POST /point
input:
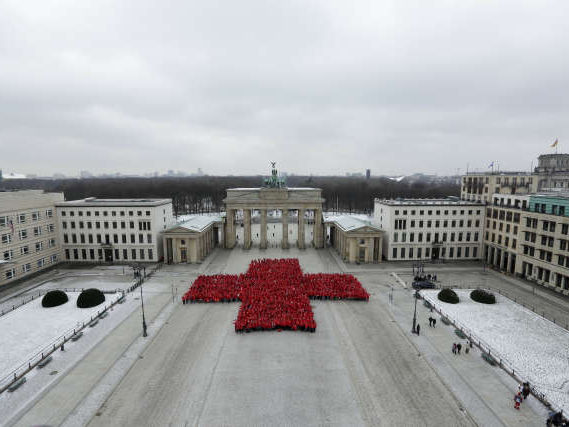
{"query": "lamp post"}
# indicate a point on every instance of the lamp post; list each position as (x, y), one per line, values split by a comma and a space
(414, 330)
(144, 334)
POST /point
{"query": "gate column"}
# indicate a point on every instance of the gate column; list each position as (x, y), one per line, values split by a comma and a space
(285, 228)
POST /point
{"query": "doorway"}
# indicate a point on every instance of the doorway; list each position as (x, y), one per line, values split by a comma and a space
(108, 255)
(183, 255)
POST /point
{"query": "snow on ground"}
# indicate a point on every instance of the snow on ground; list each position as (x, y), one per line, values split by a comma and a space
(535, 347)
(27, 330)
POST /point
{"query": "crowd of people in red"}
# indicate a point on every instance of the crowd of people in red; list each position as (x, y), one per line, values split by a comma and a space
(274, 294)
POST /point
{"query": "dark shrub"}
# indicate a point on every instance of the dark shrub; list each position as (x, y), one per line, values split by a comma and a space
(54, 298)
(482, 296)
(448, 295)
(90, 298)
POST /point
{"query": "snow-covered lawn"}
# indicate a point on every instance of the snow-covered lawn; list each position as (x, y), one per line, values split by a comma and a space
(536, 348)
(29, 329)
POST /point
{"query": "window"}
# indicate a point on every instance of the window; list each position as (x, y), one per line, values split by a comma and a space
(74, 238)
(26, 268)
(24, 250)
(50, 228)
(6, 238)
(113, 213)
(83, 253)
(115, 238)
(39, 246)
(147, 213)
(21, 218)
(51, 243)
(53, 258)
(72, 223)
(49, 213)
(37, 231)
(8, 255)
(35, 216)
(82, 238)
(124, 251)
(10, 274)
(139, 213)
(402, 252)
(81, 224)
(132, 239)
(150, 257)
(149, 238)
(141, 238)
(133, 252)
(394, 253)
(124, 239)
(41, 262)
(23, 234)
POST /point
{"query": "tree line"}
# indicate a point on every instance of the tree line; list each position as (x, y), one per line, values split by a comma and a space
(206, 193)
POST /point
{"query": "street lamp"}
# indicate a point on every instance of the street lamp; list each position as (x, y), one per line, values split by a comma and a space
(144, 334)
(414, 330)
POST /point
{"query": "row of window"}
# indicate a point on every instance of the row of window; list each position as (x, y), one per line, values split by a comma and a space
(6, 221)
(23, 234)
(409, 253)
(546, 225)
(100, 255)
(503, 215)
(26, 268)
(102, 213)
(142, 225)
(492, 238)
(437, 237)
(438, 212)
(25, 250)
(500, 226)
(401, 224)
(106, 238)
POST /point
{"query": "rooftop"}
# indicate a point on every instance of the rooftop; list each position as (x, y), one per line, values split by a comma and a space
(500, 173)
(196, 223)
(428, 202)
(94, 202)
(349, 223)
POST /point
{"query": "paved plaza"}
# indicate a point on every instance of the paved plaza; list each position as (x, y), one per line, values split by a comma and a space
(362, 366)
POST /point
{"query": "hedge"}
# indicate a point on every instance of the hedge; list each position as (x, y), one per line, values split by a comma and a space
(54, 299)
(482, 296)
(448, 295)
(90, 298)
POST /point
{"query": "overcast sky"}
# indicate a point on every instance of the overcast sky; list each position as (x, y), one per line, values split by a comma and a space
(321, 87)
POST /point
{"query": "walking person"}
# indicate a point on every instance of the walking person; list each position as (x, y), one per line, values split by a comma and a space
(434, 322)
(418, 328)
(430, 322)
(458, 347)
(517, 400)
(453, 348)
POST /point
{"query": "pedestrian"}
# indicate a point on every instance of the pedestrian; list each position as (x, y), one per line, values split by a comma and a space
(458, 347)
(418, 328)
(434, 322)
(525, 390)
(62, 346)
(430, 322)
(453, 348)
(517, 400)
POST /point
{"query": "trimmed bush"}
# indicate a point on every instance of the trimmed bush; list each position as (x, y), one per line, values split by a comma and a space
(482, 296)
(54, 298)
(90, 298)
(448, 295)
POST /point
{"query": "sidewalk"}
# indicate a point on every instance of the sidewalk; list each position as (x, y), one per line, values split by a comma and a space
(486, 392)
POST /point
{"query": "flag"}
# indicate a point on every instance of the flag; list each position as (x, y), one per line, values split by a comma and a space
(491, 165)
(12, 226)
(555, 143)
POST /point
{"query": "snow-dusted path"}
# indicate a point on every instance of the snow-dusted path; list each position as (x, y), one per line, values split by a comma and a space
(536, 348)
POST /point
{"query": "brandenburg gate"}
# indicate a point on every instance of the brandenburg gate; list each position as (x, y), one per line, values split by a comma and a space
(274, 196)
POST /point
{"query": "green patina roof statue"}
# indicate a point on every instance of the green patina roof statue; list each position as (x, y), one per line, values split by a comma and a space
(274, 181)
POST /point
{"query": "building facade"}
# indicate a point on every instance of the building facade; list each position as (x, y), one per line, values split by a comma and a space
(192, 239)
(29, 237)
(355, 240)
(113, 230)
(502, 229)
(480, 187)
(553, 172)
(543, 256)
(430, 229)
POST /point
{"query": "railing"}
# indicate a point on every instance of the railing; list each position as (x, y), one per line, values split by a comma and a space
(504, 363)
(19, 372)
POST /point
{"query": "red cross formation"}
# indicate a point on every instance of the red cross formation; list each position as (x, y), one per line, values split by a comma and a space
(275, 294)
